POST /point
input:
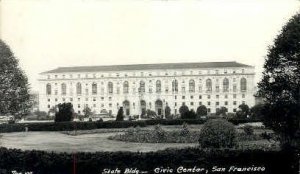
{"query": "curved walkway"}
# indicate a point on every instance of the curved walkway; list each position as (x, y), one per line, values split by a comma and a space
(59, 142)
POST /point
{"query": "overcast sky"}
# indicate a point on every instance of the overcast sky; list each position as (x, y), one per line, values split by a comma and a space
(53, 33)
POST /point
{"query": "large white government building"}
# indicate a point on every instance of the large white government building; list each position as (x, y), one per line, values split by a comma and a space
(139, 87)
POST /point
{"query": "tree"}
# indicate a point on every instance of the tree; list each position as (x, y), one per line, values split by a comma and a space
(167, 112)
(202, 110)
(222, 111)
(256, 111)
(243, 111)
(14, 87)
(65, 112)
(120, 115)
(183, 110)
(87, 111)
(280, 84)
(52, 110)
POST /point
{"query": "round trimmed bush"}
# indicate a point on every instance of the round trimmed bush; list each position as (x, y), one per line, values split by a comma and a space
(218, 133)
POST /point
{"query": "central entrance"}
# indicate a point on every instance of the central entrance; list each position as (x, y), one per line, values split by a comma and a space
(158, 107)
(126, 106)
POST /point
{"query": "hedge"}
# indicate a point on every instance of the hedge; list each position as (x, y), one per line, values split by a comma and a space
(40, 162)
(68, 126)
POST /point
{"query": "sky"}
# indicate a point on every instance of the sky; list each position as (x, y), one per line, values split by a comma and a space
(55, 33)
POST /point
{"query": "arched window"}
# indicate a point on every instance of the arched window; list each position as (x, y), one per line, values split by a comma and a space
(158, 86)
(175, 86)
(142, 86)
(63, 89)
(48, 89)
(192, 86)
(208, 85)
(225, 85)
(243, 84)
(78, 88)
(125, 87)
(94, 88)
(110, 87)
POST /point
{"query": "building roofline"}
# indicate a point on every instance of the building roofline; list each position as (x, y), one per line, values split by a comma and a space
(130, 67)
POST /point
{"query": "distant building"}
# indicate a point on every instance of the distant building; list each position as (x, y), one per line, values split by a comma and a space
(149, 86)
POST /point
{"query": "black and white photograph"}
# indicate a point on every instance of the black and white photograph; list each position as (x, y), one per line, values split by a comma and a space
(149, 86)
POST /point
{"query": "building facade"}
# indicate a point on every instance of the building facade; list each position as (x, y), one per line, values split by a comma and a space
(137, 88)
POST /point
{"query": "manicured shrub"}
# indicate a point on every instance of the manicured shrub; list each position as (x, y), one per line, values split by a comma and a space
(248, 130)
(120, 115)
(217, 133)
(65, 112)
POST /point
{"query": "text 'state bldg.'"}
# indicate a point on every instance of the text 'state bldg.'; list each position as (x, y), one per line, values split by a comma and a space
(139, 87)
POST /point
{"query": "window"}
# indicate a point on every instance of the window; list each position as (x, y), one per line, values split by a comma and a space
(110, 87)
(208, 103)
(175, 104)
(225, 85)
(49, 106)
(94, 88)
(56, 92)
(226, 96)
(217, 96)
(217, 103)
(217, 88)
(175, 96)
(183, 89)
(63, 89)
(94, 99)
(86, 99)
(183, 97)
(48, 99)
(243, 84)
(94, 105)
(226, 103)
(110, 105)
(48, 89)
(78, 105)
(234, 95)
(63, 99)
(208, 96)
(86, 91)
(78, 99)
(234, 110)
(208, 110)
(71, 99)
(208, 85)
(192, 103)
(158, 86)
(56, 99)
(234, 102)
(243, 95)
(125, 87)
(234, 88)
(200, 103)
(191, 86)
(192, 97)
(109, 98)
(78, 88)
(142, 87)
(200, 96)
(175, 86)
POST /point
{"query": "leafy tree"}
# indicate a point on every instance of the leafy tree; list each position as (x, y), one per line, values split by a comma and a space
(222, 111)
(87, 111)
(183, 110)
(120, 115)
(65, 112)
(280, 84)
(243, 111)
(14, 87)
(167, 112)
(256, 111)
(202, 110)
(40, 113)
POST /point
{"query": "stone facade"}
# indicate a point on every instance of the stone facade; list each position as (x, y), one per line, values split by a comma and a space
(149, 86)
